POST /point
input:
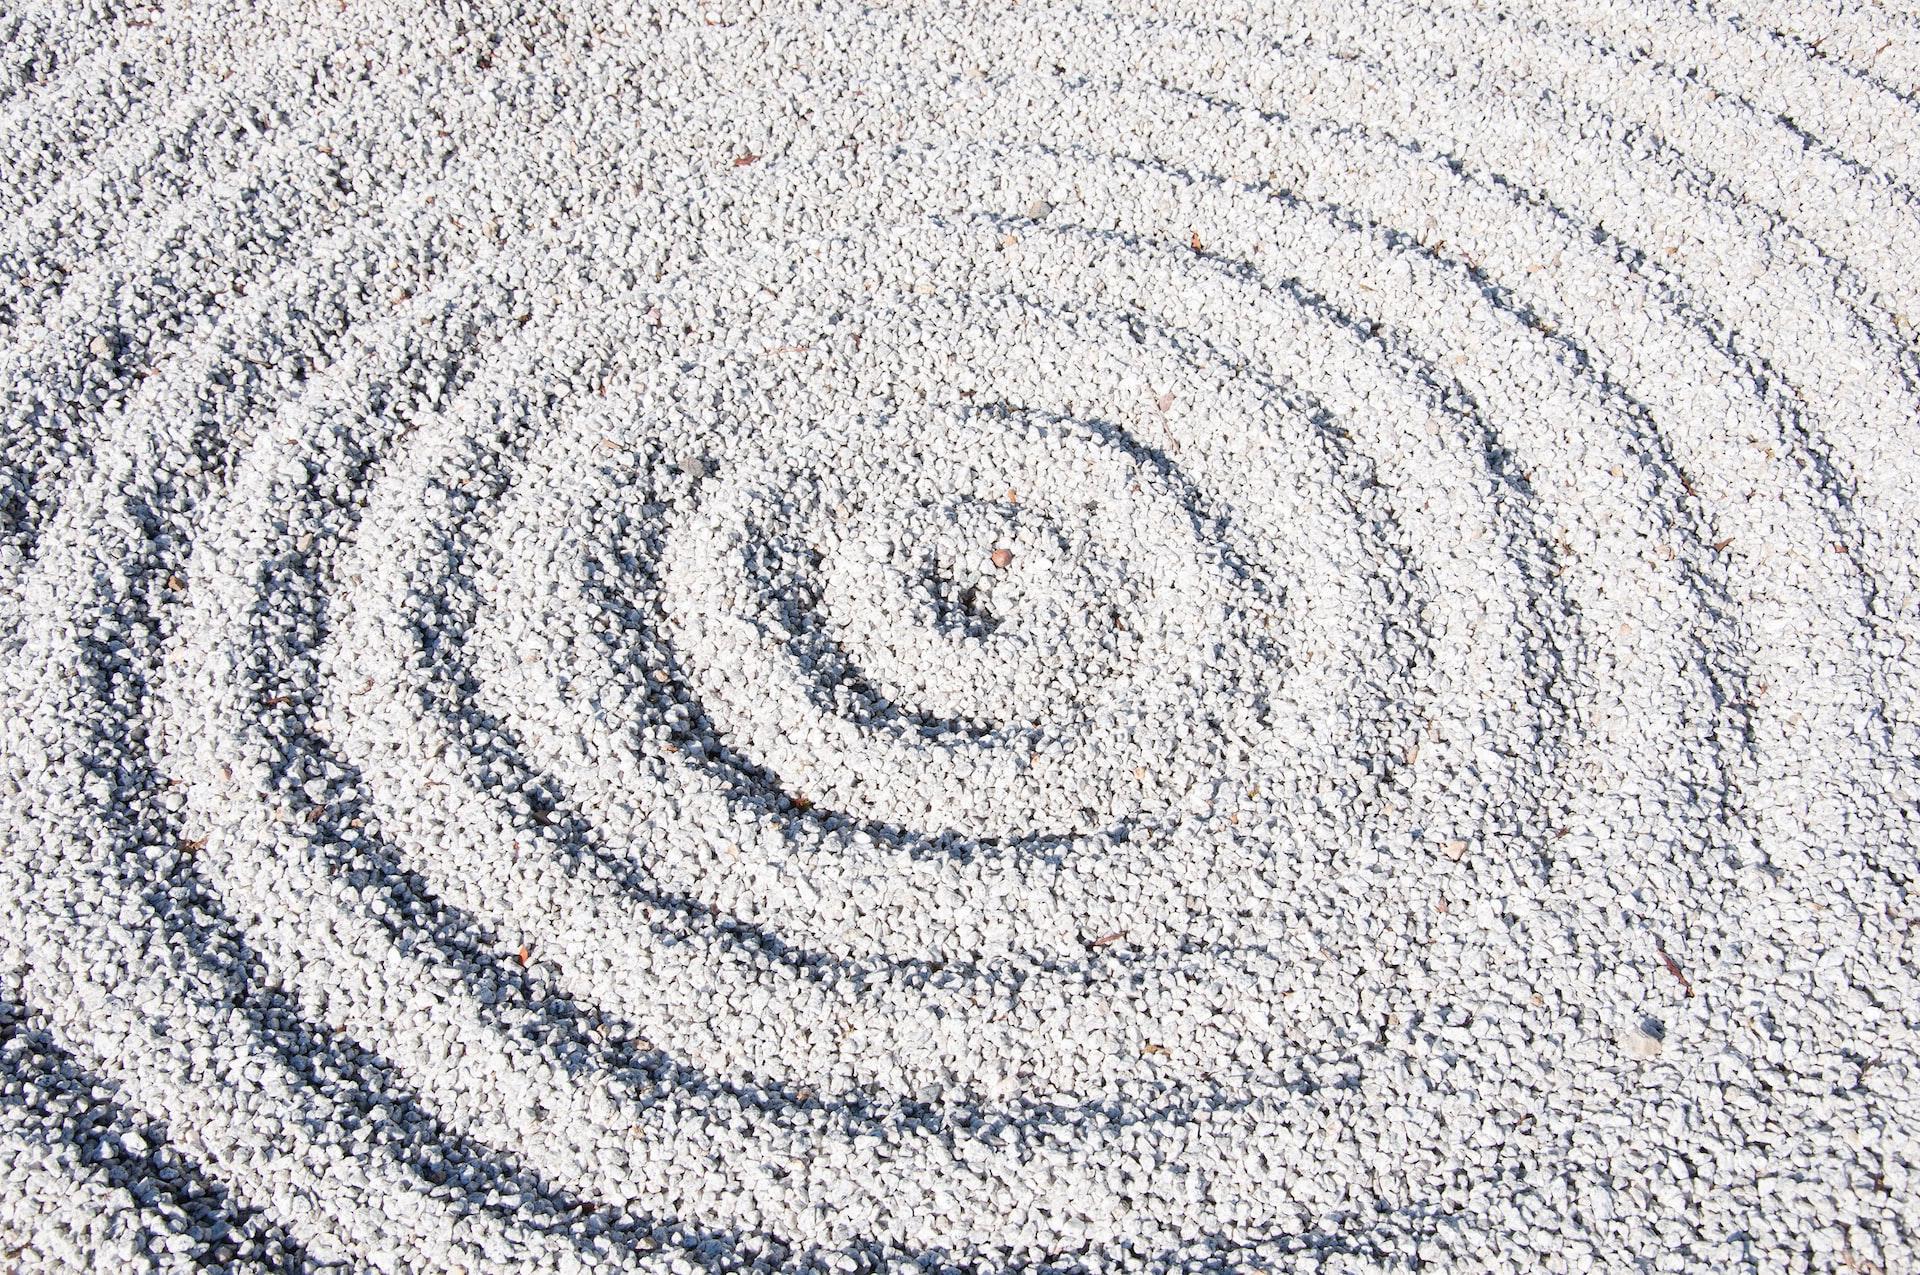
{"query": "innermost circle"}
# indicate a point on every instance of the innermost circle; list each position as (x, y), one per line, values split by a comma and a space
(998, 625)
(952, 562)
(958, 602)
(972, 606)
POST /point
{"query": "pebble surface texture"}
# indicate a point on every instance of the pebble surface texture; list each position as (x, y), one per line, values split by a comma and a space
(977, 637)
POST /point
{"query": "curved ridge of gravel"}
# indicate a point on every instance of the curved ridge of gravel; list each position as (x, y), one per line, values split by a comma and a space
(1036, 637)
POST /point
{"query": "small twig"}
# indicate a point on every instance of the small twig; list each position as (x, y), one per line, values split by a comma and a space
(1673, 967)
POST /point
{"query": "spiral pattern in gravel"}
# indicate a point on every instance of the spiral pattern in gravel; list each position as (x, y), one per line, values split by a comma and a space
(942, 638)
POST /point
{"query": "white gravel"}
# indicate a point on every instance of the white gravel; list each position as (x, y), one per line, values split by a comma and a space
(972, 638)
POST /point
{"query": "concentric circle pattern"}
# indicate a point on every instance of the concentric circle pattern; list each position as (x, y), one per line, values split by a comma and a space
(976, 637)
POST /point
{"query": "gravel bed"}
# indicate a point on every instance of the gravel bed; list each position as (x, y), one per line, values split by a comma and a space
(960, 637)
